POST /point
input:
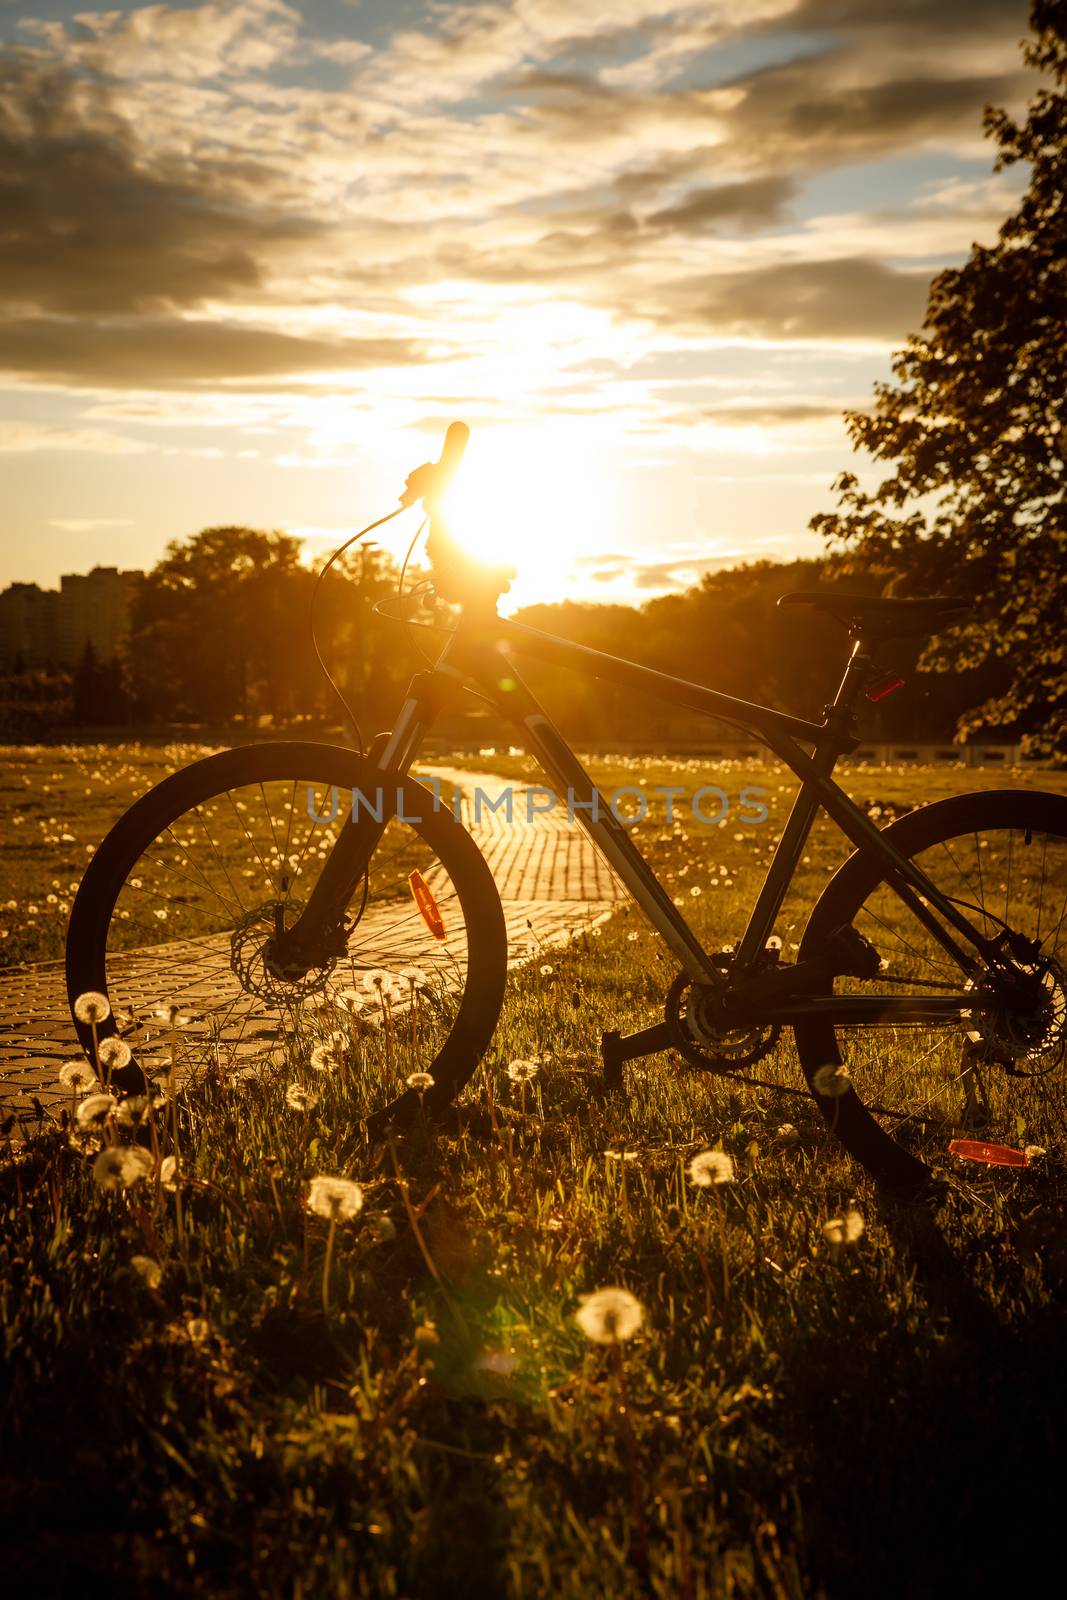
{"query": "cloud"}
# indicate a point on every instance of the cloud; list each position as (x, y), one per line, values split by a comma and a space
(89, 524)
(92, 222)
(21, 438)
(157, 353)
(159, 41)
(851, 299)
(759, 202)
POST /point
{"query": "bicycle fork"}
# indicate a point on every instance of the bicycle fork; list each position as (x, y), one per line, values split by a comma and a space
(319, 932)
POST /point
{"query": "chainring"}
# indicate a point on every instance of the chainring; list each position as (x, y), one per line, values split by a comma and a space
(704, 1046)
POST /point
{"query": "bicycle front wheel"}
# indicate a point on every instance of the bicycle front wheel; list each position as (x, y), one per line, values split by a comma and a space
(176, 909)
(997, 1077)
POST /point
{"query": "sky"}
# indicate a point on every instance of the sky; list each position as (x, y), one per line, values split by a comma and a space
(254, 258)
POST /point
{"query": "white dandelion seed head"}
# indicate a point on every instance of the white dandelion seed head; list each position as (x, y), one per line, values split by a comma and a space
(414, 977)
(135, 1109)
(336, 1199)
(831, 1082)
(608, 1316)
(711, 1167)
(115, 1052)
(845, 1229)
(523, 1071)
(297, 1098)
(547, 971)
(351, 1000)
(168, 1172)
(379, 982)
(95, 1109)
(170, 1014)
(788, 1134)
(149, 1271)
(92, 1007)
(384, 1229)
(119, 1166)
(79, 1076)
(420, 1081)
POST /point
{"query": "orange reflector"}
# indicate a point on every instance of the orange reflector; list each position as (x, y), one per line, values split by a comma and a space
(994, 1155)
(426, 903)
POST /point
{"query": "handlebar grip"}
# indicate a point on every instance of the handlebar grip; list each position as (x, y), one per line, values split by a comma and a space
(428, 482)
(452, 450)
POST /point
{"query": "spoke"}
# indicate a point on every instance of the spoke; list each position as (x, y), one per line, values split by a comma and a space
(225, 870)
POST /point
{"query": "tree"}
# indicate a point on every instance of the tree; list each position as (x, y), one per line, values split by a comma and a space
(974, 427)
(220, 629)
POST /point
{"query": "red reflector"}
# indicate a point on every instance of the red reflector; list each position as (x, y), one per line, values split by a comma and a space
(994, 1155)
(881, 687)
(428, 907)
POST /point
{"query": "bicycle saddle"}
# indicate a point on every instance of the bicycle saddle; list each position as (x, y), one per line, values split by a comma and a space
(877, 615)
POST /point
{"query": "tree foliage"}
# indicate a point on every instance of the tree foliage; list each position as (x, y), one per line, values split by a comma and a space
(220, 629)
(973, 425)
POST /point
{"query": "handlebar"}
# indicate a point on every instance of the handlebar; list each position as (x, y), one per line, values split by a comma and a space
(429, 482)
(458, 576)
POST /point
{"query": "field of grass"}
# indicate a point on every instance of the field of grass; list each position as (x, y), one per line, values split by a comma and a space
(209, 1389)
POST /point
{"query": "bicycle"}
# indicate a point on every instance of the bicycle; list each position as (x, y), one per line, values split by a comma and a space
(928, 994)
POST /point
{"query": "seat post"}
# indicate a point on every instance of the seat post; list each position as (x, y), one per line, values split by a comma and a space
(857, 671)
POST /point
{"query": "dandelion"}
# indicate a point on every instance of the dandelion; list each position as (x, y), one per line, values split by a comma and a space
(338, 1199)
(831, 1082)
(170, 1014)
(351, 1000)
(632, 938)
(414, 977)
(119, 1166)
(135, 1109)
(378, 981)
(78, 1076)
(168, 1172)
(114, 1053)
(547, 971)
(711, 1167)
(421, 1081)
(95, 1109)
(844, 1230)
(384, 1229)
(1034, 1152)
(788, 1134)
(609, 1315)
(328, 1056)
(149, 1271)
(92, 1008)
(523, 1071)
(298, 1098)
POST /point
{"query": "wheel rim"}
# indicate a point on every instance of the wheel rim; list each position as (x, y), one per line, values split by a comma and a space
(191, 904)
(996, 1082)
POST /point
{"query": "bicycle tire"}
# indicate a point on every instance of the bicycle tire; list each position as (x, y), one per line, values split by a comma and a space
(109, 872)
(848, 898)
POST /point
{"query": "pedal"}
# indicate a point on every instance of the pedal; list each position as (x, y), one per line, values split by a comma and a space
(616, 1050)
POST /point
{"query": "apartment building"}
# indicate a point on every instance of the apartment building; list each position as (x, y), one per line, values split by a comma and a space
(39, 625)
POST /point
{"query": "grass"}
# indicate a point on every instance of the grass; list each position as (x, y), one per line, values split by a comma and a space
(800, 1417)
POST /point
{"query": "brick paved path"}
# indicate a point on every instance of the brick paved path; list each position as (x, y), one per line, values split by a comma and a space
(551, 882)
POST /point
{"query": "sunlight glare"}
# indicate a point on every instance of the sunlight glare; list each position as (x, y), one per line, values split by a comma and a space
(527, 499)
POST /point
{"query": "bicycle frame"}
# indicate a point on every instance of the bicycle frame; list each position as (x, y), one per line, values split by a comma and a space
(479, 652)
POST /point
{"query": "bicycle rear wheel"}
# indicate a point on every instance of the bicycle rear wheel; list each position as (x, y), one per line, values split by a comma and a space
(179, 901)
(996, 1077)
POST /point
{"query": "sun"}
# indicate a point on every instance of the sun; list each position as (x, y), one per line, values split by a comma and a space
(531, 500)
